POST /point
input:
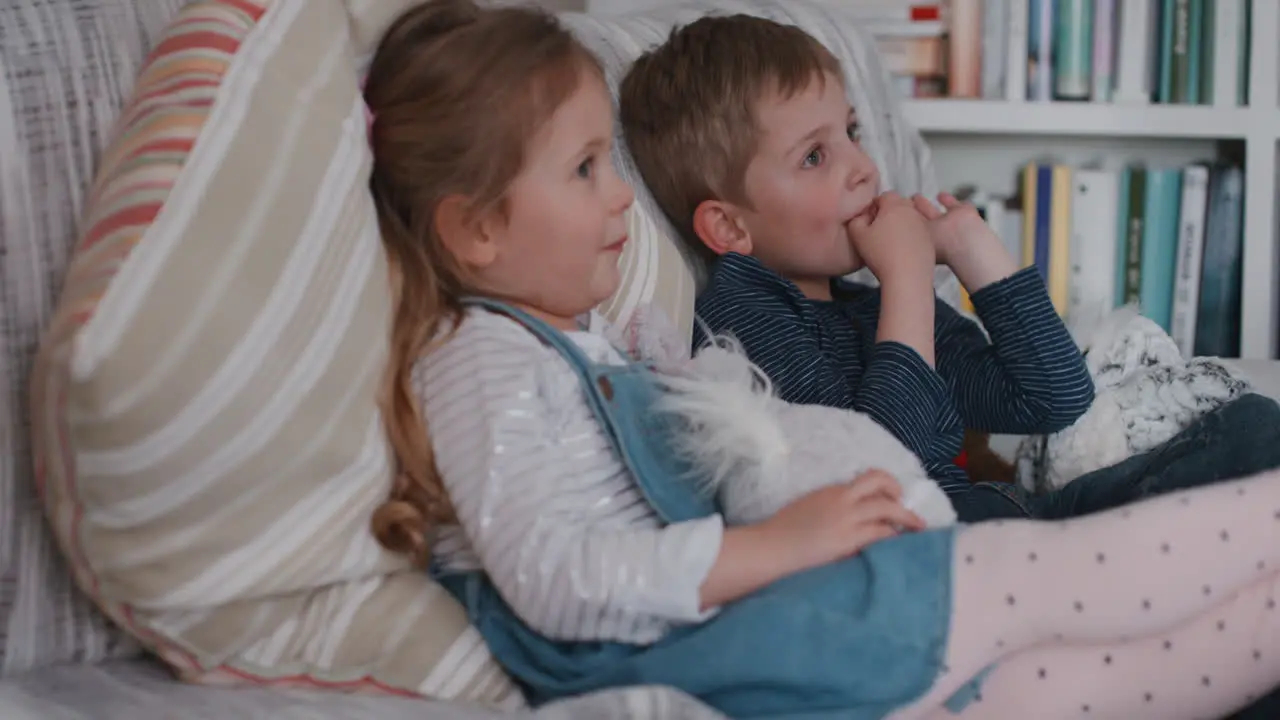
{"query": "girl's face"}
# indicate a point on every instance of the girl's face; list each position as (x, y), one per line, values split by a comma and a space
(556, 251)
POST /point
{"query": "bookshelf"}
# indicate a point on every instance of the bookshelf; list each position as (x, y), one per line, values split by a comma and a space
(987, 141)
(1070, 119)
(991, 138)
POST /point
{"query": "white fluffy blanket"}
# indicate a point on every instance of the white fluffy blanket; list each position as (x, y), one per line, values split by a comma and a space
(761, 452)
(1146, 393)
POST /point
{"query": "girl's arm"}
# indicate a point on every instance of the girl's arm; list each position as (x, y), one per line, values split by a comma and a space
(558, 524)
(543, 500)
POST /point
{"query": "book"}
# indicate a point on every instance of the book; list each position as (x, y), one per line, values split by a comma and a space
(1186, 284)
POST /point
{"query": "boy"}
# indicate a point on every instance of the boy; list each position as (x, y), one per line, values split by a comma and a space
(742, 131)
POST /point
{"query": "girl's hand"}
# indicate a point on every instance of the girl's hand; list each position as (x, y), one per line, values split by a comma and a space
(838, 521)
(894, 239)
(965, 242)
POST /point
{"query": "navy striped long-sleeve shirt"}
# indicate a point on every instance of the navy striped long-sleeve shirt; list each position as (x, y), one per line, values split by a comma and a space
(1028, 378)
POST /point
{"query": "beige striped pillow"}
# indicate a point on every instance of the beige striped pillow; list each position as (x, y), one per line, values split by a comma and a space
(208, 445)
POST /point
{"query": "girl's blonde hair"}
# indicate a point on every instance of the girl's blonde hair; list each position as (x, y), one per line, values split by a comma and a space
(456, 92)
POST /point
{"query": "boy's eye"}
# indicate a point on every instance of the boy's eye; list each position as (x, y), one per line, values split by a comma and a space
(855, 132)
(814, 158)
(585, 167)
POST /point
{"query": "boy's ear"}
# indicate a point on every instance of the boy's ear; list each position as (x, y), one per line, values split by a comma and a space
(464, 235)
(719, 226)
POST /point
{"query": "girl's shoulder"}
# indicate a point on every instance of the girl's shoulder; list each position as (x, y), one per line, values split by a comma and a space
(482, 337)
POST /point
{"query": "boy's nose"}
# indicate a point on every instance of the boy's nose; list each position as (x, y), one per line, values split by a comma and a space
(862, 169)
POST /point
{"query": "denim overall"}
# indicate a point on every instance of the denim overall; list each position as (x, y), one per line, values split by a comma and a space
(855, 639)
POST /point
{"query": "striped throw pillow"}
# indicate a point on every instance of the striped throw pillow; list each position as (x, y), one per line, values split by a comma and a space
(207, 442)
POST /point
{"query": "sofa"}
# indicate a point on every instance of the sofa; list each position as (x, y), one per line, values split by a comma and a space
(68, 67)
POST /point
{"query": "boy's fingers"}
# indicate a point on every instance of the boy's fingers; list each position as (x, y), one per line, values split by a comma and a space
(949, 201)
(926, 208)
(890, 198)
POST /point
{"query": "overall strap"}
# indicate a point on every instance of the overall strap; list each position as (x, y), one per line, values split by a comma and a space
(622, 400)
(578, 361)
(540, 329)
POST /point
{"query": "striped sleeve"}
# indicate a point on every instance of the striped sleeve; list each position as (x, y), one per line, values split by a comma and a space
(897, 389)
(907, 397)
(545, 503)
(1030, 377)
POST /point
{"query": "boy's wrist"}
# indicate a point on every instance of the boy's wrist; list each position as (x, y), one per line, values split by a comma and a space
(907, 280)
(980, 262)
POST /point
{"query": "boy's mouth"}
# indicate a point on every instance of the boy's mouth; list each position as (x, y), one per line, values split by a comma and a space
(867, 212)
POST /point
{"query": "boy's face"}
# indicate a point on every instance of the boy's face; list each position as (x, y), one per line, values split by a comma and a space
(809, 177)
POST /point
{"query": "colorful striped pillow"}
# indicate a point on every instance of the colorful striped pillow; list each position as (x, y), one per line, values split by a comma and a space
(207, 441)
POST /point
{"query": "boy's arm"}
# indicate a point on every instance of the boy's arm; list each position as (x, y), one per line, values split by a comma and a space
(1030, 377)
(898, 389)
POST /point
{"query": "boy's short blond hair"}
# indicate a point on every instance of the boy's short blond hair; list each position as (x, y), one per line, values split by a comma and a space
(688, 107)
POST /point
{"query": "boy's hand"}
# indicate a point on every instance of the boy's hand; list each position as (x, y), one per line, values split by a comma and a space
(894, 240)
(965, 242)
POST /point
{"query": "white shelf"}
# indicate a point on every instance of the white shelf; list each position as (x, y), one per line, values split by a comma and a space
(1067, 119)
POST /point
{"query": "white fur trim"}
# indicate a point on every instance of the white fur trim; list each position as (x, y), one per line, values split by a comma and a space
(760, 452)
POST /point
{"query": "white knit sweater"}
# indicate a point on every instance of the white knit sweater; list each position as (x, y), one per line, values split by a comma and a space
(545, 506)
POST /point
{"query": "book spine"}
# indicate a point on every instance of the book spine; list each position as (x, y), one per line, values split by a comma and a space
(1134, 234)
(1164, 52)
(1195, 52)
(1160, 245)
(1072, 50)
(964, 71)
(896, 10)
(1121, 251)
(1218, 316)
(995, 52)
(925, 56)
(1029, 177)
(1015, 68)
(1044, 218)
(1133, 50)
(1060, 238)
(1186, 284)
(1179, 53)
(1095, 206)
(903, 28)
(1104, 50)
(1040, 51)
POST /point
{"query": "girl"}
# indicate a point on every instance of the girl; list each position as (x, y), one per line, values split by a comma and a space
(539, 485)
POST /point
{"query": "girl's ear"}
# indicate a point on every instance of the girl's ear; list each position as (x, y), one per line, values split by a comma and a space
(462, 234)
(719, 225)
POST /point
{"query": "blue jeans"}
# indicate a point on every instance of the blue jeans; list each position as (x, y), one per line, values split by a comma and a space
(1237, 439)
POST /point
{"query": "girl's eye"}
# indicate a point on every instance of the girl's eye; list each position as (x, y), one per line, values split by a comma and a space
(814, 158)
(585, 167)
(855, 132)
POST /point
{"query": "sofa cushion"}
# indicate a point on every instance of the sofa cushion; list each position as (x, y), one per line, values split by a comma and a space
(65, 71)
(204, 408)
(208, 441)
(142, 689)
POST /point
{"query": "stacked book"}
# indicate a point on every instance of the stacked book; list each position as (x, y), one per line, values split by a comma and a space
(1169, 240)
(1129, 51)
